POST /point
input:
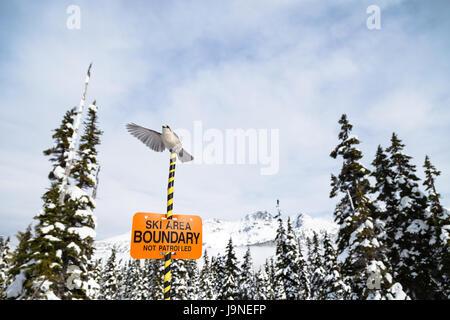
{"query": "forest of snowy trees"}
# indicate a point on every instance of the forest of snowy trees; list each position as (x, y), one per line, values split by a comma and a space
(392, 243)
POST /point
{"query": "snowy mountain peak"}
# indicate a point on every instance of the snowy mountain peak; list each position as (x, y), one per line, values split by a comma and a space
(258, 215)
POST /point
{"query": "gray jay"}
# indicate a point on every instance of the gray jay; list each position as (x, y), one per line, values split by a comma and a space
(160, 141)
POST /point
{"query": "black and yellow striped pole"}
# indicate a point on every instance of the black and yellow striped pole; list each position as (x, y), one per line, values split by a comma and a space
(168, 255)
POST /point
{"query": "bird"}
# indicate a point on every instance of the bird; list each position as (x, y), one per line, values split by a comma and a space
(160, 141)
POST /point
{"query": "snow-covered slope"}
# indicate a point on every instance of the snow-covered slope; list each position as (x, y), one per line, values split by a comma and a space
(256, 230)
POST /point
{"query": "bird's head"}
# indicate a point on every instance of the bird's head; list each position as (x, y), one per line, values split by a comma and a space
(165, 128)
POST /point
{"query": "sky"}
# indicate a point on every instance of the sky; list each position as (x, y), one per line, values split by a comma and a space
(293, 66)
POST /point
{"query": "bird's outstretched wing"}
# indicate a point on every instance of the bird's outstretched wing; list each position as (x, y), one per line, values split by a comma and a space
(150, 137)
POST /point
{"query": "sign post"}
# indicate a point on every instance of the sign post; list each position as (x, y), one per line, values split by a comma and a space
(168, 255)
(155, 235)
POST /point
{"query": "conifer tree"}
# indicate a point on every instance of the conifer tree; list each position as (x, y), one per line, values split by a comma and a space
(408, 228)
(43, 268)
(193, 280)
(206, 280)
(109, 282)
(4, 264)
(16, 272)
(280, 262)
(367, 273)
(269, 271)
(318, 275)
(334, 287)
(360, 252)
(132, 285)
(180, 276)
(146, 276)
(231, 274)
(86, 167)
(262, 286)
(62, 244)
(384, 188)
(246, 278)
(218, 274)
(94, 276)
(157, 280)
(352, 173)
(79, 205)
(439, 220)
(310, 255)
(140, 287)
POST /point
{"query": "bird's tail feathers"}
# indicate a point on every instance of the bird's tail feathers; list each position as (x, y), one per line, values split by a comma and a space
(184, 156)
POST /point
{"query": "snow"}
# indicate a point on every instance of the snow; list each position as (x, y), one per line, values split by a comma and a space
(51, 238)
(445, 234)
(77, 194)
(59, 172)
(47, 229)
(93, 107)
(397, 293)
(405, 202)
(59, 225)
(417, 226)
(83, 232)
(16, 287)
(84, 213)
(72, 245)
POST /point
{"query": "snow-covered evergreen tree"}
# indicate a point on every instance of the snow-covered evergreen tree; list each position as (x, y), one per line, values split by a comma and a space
(146, 276)
(408, 228)
(291, 275)
(384, 189)
(439, 220)
(157, 280)
(218, 274)
(140, 288)
(16, 272)
(318, 275)
(4, 265)
(86, 167)
(262, 286)
(79, 206)
(280, 262)
(109, 282)
(62, 244)
(359, 249)
(231, 274)
(269, 270)
(206, 280)
(131, 289)
(246, 278)
(179, 286)
(352, 173)
(94, 275)
(334, 287)
(193, 280)
(367, 273)
(44, 270)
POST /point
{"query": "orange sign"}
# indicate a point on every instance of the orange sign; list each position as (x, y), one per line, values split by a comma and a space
(153, 235)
